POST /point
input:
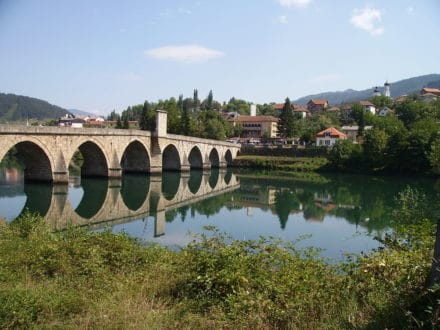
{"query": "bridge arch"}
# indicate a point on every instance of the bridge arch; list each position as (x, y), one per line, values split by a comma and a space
(135, 158)
(195, 158)
(171, 158)
(214, 158)
(135, 190)
(36, 158)
(95, 159)
(214, 178)
(228, 157)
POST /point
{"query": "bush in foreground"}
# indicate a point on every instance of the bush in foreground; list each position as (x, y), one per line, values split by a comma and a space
(77, 278)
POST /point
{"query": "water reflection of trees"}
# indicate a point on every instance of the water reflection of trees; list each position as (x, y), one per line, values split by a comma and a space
(361, 200)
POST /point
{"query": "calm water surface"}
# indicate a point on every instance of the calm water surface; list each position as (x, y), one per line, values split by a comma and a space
(337, 213)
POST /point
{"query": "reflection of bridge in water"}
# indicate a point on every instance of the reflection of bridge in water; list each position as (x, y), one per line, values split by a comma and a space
(111, 202)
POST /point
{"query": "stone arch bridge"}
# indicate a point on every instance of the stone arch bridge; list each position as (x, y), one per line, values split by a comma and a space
(48, 151)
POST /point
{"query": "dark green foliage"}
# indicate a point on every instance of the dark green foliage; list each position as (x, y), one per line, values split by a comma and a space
(148, 118)
(287, 121)
(20, 108)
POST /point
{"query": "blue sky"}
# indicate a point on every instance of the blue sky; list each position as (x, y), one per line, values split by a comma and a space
(100, 55)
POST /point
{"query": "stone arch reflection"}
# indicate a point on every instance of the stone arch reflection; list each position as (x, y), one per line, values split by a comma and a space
(95, 193)
(195, 181)
(170, 184)
(213, 177)
(134, 190)
(135, 158)
(228, 176)
(171, 158)
(38, 198)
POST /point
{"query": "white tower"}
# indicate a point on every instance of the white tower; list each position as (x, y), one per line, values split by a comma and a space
(387, 91)
(253, 110)
(376, 91)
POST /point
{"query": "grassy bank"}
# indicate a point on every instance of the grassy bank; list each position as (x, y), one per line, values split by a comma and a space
(78, 279)
(303, 164)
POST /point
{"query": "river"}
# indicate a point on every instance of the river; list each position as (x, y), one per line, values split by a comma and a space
(338, 214)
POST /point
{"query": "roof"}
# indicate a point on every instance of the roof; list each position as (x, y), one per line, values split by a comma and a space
(334, 133)
(320, 102)
(278, 106)
(430, 90)
(300, 108)
(333, 109)
(366, 103)
(354, 128)
(429, 95)
(255, 119)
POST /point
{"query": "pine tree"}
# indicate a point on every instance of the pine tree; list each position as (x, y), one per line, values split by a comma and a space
(196, 100)
(185, 119)
(143, 122)
(287, 120)
(209, 100)
(125, 123)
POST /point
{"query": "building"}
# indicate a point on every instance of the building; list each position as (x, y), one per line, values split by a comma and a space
(429, 97)
(329, 137)
(71, 121)
(301, 110)
(352, 131)
(426, 90)
(257, 126)
(384, 111)
(387, 90)
(368, 107)
(317, 105)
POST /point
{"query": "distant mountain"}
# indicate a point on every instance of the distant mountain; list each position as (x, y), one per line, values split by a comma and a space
(398, 88)
(77, 112)
(19, 108)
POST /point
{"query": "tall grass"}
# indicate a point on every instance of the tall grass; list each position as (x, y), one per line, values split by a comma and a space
(81, 279)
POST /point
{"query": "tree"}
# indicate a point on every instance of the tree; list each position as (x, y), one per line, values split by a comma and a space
(125, 123)
(196, 101)
(287, 122)
(341, 153)
(434, 156)
(375, 147)
(148, 119)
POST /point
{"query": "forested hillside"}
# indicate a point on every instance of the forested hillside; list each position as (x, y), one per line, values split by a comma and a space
(17, 108)
(398, 88)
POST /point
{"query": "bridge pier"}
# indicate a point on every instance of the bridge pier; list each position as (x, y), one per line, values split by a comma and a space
(206, 166)
(60, 177)
(115, 172)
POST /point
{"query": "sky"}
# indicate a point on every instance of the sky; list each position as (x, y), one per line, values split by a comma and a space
(101, 55)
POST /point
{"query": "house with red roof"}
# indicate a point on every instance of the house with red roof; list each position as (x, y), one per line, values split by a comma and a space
(368, 106)
(317, 105)
(426, 90)
(329, 137)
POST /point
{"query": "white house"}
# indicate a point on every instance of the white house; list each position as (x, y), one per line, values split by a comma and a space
(368, 106)
(329, 137)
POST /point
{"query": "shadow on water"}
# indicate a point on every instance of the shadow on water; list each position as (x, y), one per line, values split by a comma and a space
(95, 193)
(38, 198)
(170, 184)
(213, 177)
(134, 190)
(195, 180)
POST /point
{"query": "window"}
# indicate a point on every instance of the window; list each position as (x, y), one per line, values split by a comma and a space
(327, 142)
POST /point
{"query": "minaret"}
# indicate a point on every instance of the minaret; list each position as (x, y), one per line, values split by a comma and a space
(386, 86)
(376, 91)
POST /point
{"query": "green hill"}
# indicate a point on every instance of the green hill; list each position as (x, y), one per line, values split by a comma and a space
(19, 108)
(398, 88)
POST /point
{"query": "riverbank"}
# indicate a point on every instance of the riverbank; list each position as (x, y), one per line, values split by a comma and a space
(81, 279)
(284, 163)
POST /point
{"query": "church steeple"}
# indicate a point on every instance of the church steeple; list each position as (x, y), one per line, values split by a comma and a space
(387, 91)
(376, 91)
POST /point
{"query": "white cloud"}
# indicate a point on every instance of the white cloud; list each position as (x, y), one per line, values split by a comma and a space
(367, 19)
(282, 19)
(294, 3)
(185, 53)
(325, 78)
